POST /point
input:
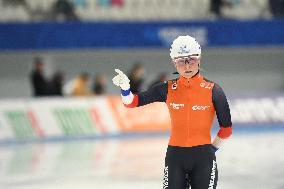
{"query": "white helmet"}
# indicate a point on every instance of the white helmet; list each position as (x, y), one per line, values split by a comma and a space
(184, 46)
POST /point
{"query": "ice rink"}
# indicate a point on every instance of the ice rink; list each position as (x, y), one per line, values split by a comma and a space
(251, 160)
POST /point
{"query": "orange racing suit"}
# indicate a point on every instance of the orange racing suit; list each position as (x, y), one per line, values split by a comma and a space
(192, 104)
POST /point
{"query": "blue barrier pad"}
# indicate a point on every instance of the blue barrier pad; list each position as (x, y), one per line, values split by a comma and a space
(73, 35)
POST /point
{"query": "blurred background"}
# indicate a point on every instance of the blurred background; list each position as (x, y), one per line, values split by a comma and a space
(62, 122)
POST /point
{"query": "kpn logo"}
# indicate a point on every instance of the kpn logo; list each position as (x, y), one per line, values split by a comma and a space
(197, 107)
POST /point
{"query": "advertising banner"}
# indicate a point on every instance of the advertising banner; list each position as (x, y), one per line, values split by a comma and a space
(258, 110)
(152, 117)
(103, 116)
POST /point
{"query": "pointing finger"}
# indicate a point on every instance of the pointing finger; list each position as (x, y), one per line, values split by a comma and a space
(118, 71)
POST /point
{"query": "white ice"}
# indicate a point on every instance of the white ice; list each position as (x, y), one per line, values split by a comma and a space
(247, 161)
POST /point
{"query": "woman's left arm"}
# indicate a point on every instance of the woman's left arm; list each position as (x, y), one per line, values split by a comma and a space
(223, 115)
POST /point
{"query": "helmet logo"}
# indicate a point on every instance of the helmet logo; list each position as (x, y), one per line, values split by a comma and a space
(183, 49)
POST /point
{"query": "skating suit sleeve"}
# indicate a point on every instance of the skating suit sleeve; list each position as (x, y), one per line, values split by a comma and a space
(223, 114)
(157, 93)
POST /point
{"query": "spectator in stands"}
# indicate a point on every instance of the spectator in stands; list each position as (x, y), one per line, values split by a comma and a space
(14, 3)
(117, 3)
(104, 3)
(136, 77)
(99, 87)
(81, 85)
(80, 3)
(277, 8)
(161, 78)
(56, 84)
(216, 7)
(64, 10)
(38, 81)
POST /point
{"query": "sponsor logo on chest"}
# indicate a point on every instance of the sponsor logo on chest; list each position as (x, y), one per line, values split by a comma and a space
(199, 108)
(194, 107)
(176, 106)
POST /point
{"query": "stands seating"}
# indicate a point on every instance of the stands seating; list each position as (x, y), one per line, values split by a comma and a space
(135, 10)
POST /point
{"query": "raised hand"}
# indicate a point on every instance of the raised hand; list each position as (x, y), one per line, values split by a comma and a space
(121, 80)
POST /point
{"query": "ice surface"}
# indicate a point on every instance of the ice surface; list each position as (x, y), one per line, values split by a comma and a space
(247, 161)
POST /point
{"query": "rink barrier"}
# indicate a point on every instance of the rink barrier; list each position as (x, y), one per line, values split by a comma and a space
(59, 118)
(78, 35)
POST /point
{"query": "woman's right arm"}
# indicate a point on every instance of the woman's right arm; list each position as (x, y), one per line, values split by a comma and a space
(157, 93)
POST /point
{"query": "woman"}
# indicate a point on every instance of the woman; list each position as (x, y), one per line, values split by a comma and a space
(192, 101)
